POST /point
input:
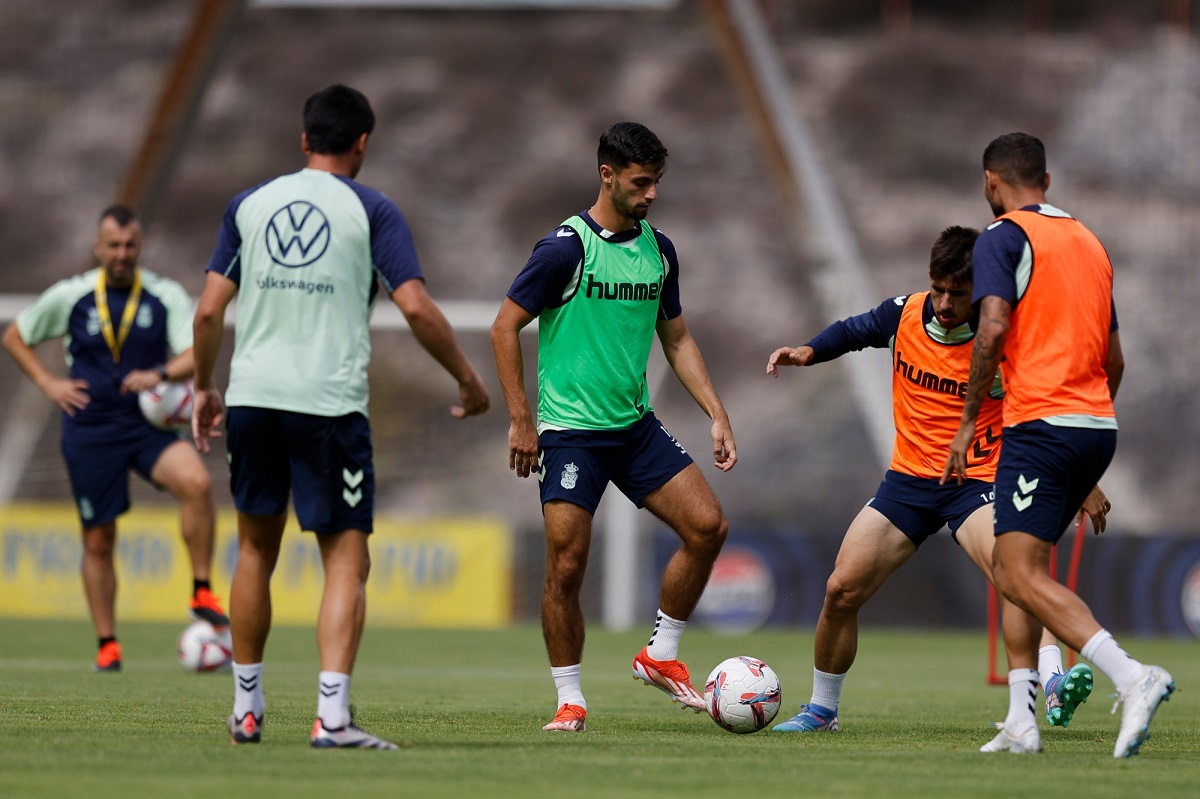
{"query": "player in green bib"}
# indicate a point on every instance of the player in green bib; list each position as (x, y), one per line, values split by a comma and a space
(601, 286)
(588, 378)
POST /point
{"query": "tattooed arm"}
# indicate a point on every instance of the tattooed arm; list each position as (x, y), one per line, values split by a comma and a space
(985, 360)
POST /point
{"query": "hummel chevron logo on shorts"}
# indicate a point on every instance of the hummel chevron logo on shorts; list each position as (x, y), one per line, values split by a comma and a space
(353, 480)
(1022, 498)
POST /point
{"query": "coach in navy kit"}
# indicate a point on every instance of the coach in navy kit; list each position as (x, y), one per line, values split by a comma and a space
(124, 329)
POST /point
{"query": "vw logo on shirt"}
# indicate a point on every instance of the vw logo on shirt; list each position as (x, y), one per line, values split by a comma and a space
(297, 235)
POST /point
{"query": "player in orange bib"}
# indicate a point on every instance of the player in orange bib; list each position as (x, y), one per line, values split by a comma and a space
(929, 335)
(1043, 284)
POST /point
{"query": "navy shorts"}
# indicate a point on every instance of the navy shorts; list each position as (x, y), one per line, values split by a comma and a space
(1045, 473)
(577, 465)
(324, 461)
(99, 470)
(920, 507)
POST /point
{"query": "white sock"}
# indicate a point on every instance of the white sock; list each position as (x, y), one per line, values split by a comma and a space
(566, 680)
(1111, 659)
(248, 690)
(1022, 701)
(1050, 662)
(333, 699)
(827, 689)
(664, 641)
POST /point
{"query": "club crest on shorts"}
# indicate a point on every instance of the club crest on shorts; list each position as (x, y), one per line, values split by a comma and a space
(570, 475)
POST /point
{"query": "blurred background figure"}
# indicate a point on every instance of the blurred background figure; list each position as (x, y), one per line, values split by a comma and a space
(125, 329)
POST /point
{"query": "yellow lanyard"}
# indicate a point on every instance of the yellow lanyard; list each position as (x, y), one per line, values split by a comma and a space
(115, 343)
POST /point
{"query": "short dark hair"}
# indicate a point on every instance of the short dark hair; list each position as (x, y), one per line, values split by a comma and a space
(123, 215)
(1018, 158)
(628, 143)
(950, 256)
(335, 117)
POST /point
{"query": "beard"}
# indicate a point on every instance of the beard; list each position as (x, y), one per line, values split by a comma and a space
(622, 204)
(119, 276)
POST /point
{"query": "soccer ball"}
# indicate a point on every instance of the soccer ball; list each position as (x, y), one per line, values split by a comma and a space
(742, 695)
(203, 647)
(168, 406)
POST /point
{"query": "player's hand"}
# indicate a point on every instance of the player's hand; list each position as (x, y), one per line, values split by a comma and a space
(139, 380)
(724, 448)
(522, 447)
(208, 412)
(69, 394)
(956, 462)
(1097, 507)
(473, 396)
(788, 356)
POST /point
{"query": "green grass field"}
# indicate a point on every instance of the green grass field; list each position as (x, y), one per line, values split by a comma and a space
(468, 707)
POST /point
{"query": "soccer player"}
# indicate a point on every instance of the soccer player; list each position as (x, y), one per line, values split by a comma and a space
(602, 284)
(304, 254)
(1047, 319)
(125, 329)
(929, 334)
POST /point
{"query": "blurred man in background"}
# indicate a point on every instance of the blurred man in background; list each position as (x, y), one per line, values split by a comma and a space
(125, 329)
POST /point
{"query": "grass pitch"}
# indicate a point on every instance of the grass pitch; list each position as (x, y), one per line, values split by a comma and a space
(468, 708)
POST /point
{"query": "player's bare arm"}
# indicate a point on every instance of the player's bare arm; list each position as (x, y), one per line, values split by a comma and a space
(510, 367)
(140, 380)
(985, 360)
(207, 328)
(684, 357)
(180, 367)
(434, 333)
(1097, 506)
(67, 393)
(1114, 364)
(788, 356)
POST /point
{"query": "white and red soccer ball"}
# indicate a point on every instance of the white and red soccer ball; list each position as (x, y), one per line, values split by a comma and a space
(168, 406)
(203, 647)
(742, 695)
